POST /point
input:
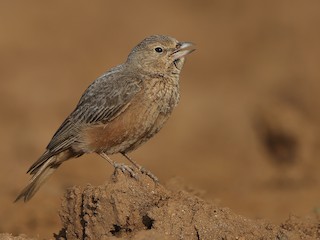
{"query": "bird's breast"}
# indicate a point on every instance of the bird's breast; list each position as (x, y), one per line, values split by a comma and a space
(164, 93)
(143, 117)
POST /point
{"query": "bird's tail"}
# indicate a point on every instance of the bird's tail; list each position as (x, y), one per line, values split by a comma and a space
(41, 172)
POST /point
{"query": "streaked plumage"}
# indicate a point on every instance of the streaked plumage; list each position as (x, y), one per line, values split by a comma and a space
(120, 110)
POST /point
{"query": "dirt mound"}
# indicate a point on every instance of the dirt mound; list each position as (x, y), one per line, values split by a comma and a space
(7, 236)
(125, 208)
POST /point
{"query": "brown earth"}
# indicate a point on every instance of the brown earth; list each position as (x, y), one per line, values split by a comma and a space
(246, 132)
(128, 208)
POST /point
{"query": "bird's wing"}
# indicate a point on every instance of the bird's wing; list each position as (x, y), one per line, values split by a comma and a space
(103, 100)
(100, 103)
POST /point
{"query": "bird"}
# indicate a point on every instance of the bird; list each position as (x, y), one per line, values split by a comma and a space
(119, 111)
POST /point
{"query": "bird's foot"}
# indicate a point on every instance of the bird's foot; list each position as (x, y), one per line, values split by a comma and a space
(149, 174)
(125, 169)
(141, 169)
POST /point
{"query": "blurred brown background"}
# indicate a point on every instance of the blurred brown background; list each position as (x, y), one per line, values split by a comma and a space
(247, 127)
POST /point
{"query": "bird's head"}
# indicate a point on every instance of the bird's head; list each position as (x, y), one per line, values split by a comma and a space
(160, 54)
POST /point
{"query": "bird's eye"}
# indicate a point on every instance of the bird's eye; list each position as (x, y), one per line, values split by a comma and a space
(158, 49)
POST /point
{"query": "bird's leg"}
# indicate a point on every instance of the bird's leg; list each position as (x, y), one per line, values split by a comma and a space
(140, 168)
(124, 168)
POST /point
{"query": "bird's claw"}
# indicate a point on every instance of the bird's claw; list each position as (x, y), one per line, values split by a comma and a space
(149, 174)
(125, 168)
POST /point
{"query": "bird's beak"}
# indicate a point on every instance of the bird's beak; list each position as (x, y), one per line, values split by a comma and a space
(183, 49)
